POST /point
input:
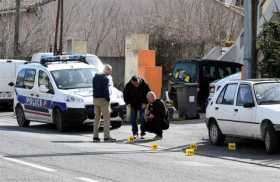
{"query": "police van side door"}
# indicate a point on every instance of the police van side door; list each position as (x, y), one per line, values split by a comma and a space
(28, 94)
(45, 92)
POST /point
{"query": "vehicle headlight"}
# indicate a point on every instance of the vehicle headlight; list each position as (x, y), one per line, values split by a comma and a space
(73, 99)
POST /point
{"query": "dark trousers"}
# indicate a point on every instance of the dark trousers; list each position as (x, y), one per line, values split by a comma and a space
(133, 119)
(152, 126)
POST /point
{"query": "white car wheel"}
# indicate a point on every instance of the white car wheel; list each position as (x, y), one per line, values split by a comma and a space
(215, 135)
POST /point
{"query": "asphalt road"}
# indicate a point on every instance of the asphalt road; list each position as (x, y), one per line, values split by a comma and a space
(40, 153)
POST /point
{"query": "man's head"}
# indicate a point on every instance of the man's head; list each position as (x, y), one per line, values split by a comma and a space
(135, 80)
(107, 69)
(151, 97)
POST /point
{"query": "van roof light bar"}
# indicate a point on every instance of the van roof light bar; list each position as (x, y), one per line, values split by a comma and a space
(62, 58)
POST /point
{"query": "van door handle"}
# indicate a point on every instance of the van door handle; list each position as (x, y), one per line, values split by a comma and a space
(216, 108)
(37, 95)
(32, 95)
(235, 110)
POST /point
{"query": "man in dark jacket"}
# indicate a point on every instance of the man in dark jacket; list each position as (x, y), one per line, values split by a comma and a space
(135, 93)
(156, 116)
(102, 103)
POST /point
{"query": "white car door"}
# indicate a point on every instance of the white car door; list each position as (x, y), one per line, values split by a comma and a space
(244, 112)
(45, 93)
(224, 108)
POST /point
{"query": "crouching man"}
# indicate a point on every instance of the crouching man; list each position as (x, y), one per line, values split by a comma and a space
(156, 116)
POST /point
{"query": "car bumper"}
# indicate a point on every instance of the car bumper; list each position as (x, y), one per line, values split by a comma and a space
(74, 115)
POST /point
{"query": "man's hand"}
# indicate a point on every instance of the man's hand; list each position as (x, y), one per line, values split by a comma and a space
(143, 106)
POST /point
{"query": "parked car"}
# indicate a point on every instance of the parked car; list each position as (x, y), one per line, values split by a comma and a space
(216, 85)
(8, 71)
(58, 90)
(248, 109)
(202, 72)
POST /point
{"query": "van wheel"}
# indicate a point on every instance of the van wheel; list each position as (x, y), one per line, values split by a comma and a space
(270, 140)
(116, 124)
(22, 121)
(58, 120)
(215, 135)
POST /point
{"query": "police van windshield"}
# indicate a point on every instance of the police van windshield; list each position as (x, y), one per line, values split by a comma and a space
(186, 72)
(74, 78)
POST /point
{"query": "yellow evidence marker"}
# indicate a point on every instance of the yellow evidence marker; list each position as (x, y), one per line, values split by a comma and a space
(189, 152)
(154, 146)
(232, 146)
(193, 146)
(131, 139)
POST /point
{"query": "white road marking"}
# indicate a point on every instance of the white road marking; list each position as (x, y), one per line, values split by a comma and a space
(28, 164)
(195, 164)
(86, 179)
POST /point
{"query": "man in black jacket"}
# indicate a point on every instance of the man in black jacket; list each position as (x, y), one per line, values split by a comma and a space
(156, 114)
(102, 103)
(135, 93)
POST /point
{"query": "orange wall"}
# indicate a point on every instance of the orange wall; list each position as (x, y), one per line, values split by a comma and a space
(149, 71)
(146, 58)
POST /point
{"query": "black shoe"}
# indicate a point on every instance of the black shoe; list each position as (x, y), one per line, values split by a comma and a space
(143, 134)
(96, 140)
(109, 140)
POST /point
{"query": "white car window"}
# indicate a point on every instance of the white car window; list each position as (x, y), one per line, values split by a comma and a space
(229, 95)
(244, 95)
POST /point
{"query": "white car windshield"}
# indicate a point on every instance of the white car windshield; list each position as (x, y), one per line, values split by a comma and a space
(268, 93)
(74, 78)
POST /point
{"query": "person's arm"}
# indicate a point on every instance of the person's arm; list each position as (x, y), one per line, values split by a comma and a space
(106, 89)
(126, 94)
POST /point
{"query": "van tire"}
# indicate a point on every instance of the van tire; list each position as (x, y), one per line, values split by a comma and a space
(21, 120)
(215, 135)
(58, 120)
(270, 140)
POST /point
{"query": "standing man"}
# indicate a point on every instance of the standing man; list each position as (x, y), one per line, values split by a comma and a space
(156, 115)
(135, 93)
(102, 103)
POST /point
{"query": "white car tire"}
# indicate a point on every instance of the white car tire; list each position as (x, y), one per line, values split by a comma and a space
(215, 135)
(270, 140)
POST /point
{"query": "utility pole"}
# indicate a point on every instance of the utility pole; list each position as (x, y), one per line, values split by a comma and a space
(59, 28)
(17, 27)
(250, 36)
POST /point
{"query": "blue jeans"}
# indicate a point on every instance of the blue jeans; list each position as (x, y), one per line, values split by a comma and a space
(133, 119)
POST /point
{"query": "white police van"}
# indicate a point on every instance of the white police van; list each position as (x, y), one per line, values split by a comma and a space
(58, 90)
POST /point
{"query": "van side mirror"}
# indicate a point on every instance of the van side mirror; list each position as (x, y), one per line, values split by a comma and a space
(11, 84)
(249, 105)
(43, 89)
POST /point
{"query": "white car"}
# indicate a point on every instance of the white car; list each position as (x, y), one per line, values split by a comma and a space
(8, 71)
(246, 108)
(58, 90)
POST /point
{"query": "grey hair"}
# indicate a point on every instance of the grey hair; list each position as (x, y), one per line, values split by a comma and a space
(107, 67)
(152, 94)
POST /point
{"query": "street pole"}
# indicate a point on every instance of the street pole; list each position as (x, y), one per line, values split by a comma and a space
(56, 28)
(61, 27)
(250, 34)
(17, 26)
